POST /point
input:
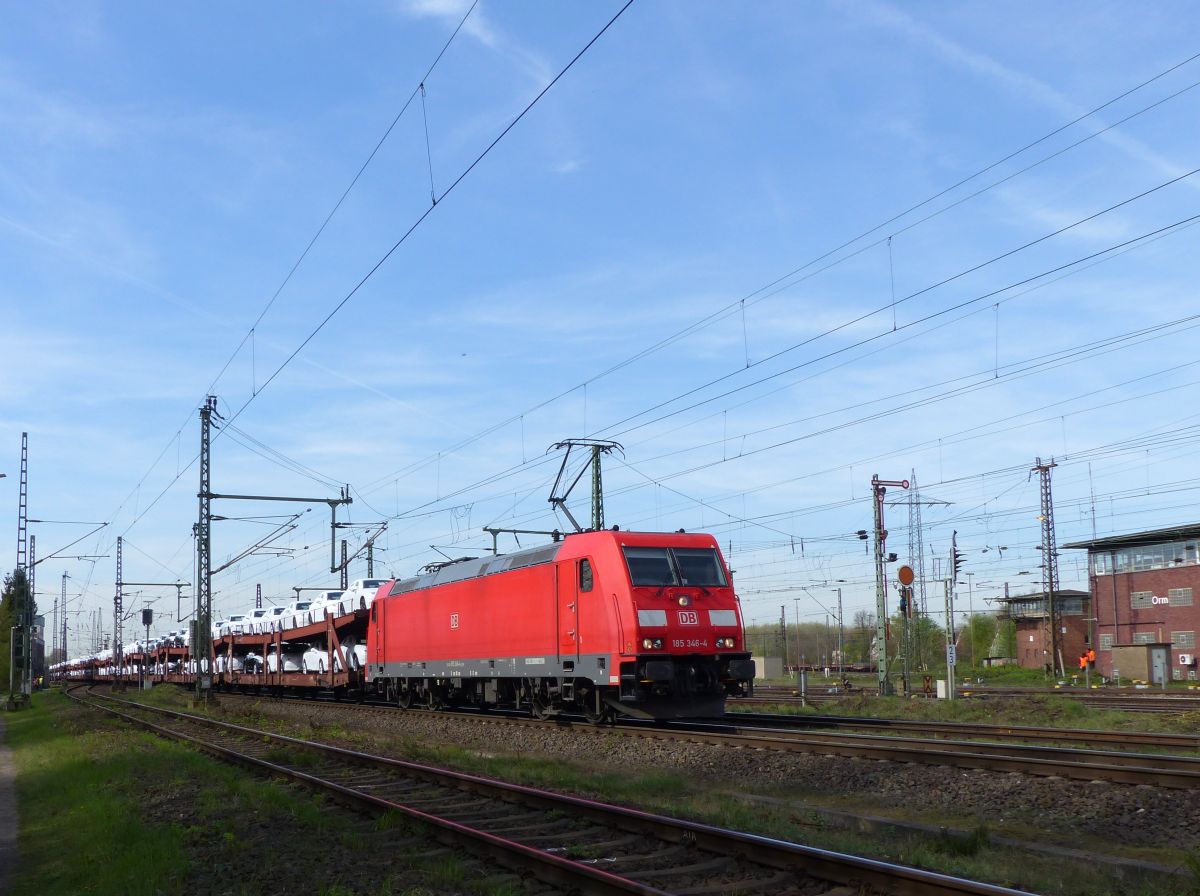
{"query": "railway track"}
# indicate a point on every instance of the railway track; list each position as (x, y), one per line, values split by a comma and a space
(576, 844)
(1120, 740)
(1132, 701)
(1152, 769)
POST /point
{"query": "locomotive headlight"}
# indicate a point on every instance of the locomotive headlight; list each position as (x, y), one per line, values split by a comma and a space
(647, 644)
(725, 642)
(684, 600)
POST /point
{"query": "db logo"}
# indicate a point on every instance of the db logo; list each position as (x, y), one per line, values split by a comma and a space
(689, 617)
(454, 620)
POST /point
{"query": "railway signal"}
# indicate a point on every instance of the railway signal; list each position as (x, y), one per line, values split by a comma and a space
(879, 488)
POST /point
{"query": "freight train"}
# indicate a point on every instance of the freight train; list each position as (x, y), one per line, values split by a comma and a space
(599, 623)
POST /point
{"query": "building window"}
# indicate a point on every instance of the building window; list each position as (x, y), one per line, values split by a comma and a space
(1165, 555)
(1183, 640)
(1180, 597)
(1106, 642)
(1143, 637)
(1141, 600)
(1069, 606)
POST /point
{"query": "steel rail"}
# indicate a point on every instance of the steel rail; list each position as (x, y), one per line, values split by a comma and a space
(837, 868)
(1153, 769)
(966, 729)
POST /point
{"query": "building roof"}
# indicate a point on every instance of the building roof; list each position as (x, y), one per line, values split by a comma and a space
(1133, 539)
(1041, 595)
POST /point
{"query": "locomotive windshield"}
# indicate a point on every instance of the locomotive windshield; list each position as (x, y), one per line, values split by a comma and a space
(657, 567)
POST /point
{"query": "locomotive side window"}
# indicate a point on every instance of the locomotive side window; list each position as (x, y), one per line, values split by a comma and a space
(650, 566)
(585, 575)
(699, 566)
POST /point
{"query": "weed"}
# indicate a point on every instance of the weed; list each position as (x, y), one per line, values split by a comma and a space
(968, 843)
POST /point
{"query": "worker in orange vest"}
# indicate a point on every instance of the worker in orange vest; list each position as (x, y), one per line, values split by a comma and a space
(1091, 657)
(1083, 660)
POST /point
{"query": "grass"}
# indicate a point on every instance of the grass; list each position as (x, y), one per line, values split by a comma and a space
(1038, 710)
(791, 816)
(78, 791)
(105, 809)
(974, 854)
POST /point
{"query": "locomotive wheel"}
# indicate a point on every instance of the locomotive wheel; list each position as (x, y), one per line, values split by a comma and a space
(604, 716)
(540, 710)
(404, 697)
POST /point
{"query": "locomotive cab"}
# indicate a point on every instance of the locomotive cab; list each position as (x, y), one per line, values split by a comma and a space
(689, 651)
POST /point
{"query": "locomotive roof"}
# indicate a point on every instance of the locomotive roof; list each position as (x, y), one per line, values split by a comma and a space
(476, 567)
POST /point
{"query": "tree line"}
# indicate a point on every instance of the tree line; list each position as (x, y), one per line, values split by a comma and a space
(816, 644)
(16, 592)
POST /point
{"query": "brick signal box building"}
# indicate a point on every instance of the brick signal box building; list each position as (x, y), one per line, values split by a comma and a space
(1030, 612)
(1143, 588)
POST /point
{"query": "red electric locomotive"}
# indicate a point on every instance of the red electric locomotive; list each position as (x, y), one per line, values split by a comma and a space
(645, 624)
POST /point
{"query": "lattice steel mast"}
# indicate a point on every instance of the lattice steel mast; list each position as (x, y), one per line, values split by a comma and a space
(65, 651)
(559, 501)
(61, 620)
(202, 639)
(118, 614)
(916, 556)
(23, 505)
(1050, 563)
(20, 655)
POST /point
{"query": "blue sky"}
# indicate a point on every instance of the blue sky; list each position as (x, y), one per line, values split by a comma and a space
(610, 269)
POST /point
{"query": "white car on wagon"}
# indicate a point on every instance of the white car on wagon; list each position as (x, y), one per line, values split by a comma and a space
(359, 595)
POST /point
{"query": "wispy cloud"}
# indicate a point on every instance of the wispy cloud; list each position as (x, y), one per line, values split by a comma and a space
(1020, 83)
(479, 27)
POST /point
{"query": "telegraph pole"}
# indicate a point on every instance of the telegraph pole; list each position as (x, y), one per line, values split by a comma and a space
(878, 490)
(1050, 562)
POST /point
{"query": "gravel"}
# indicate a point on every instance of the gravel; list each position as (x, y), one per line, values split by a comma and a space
(1118, 813)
